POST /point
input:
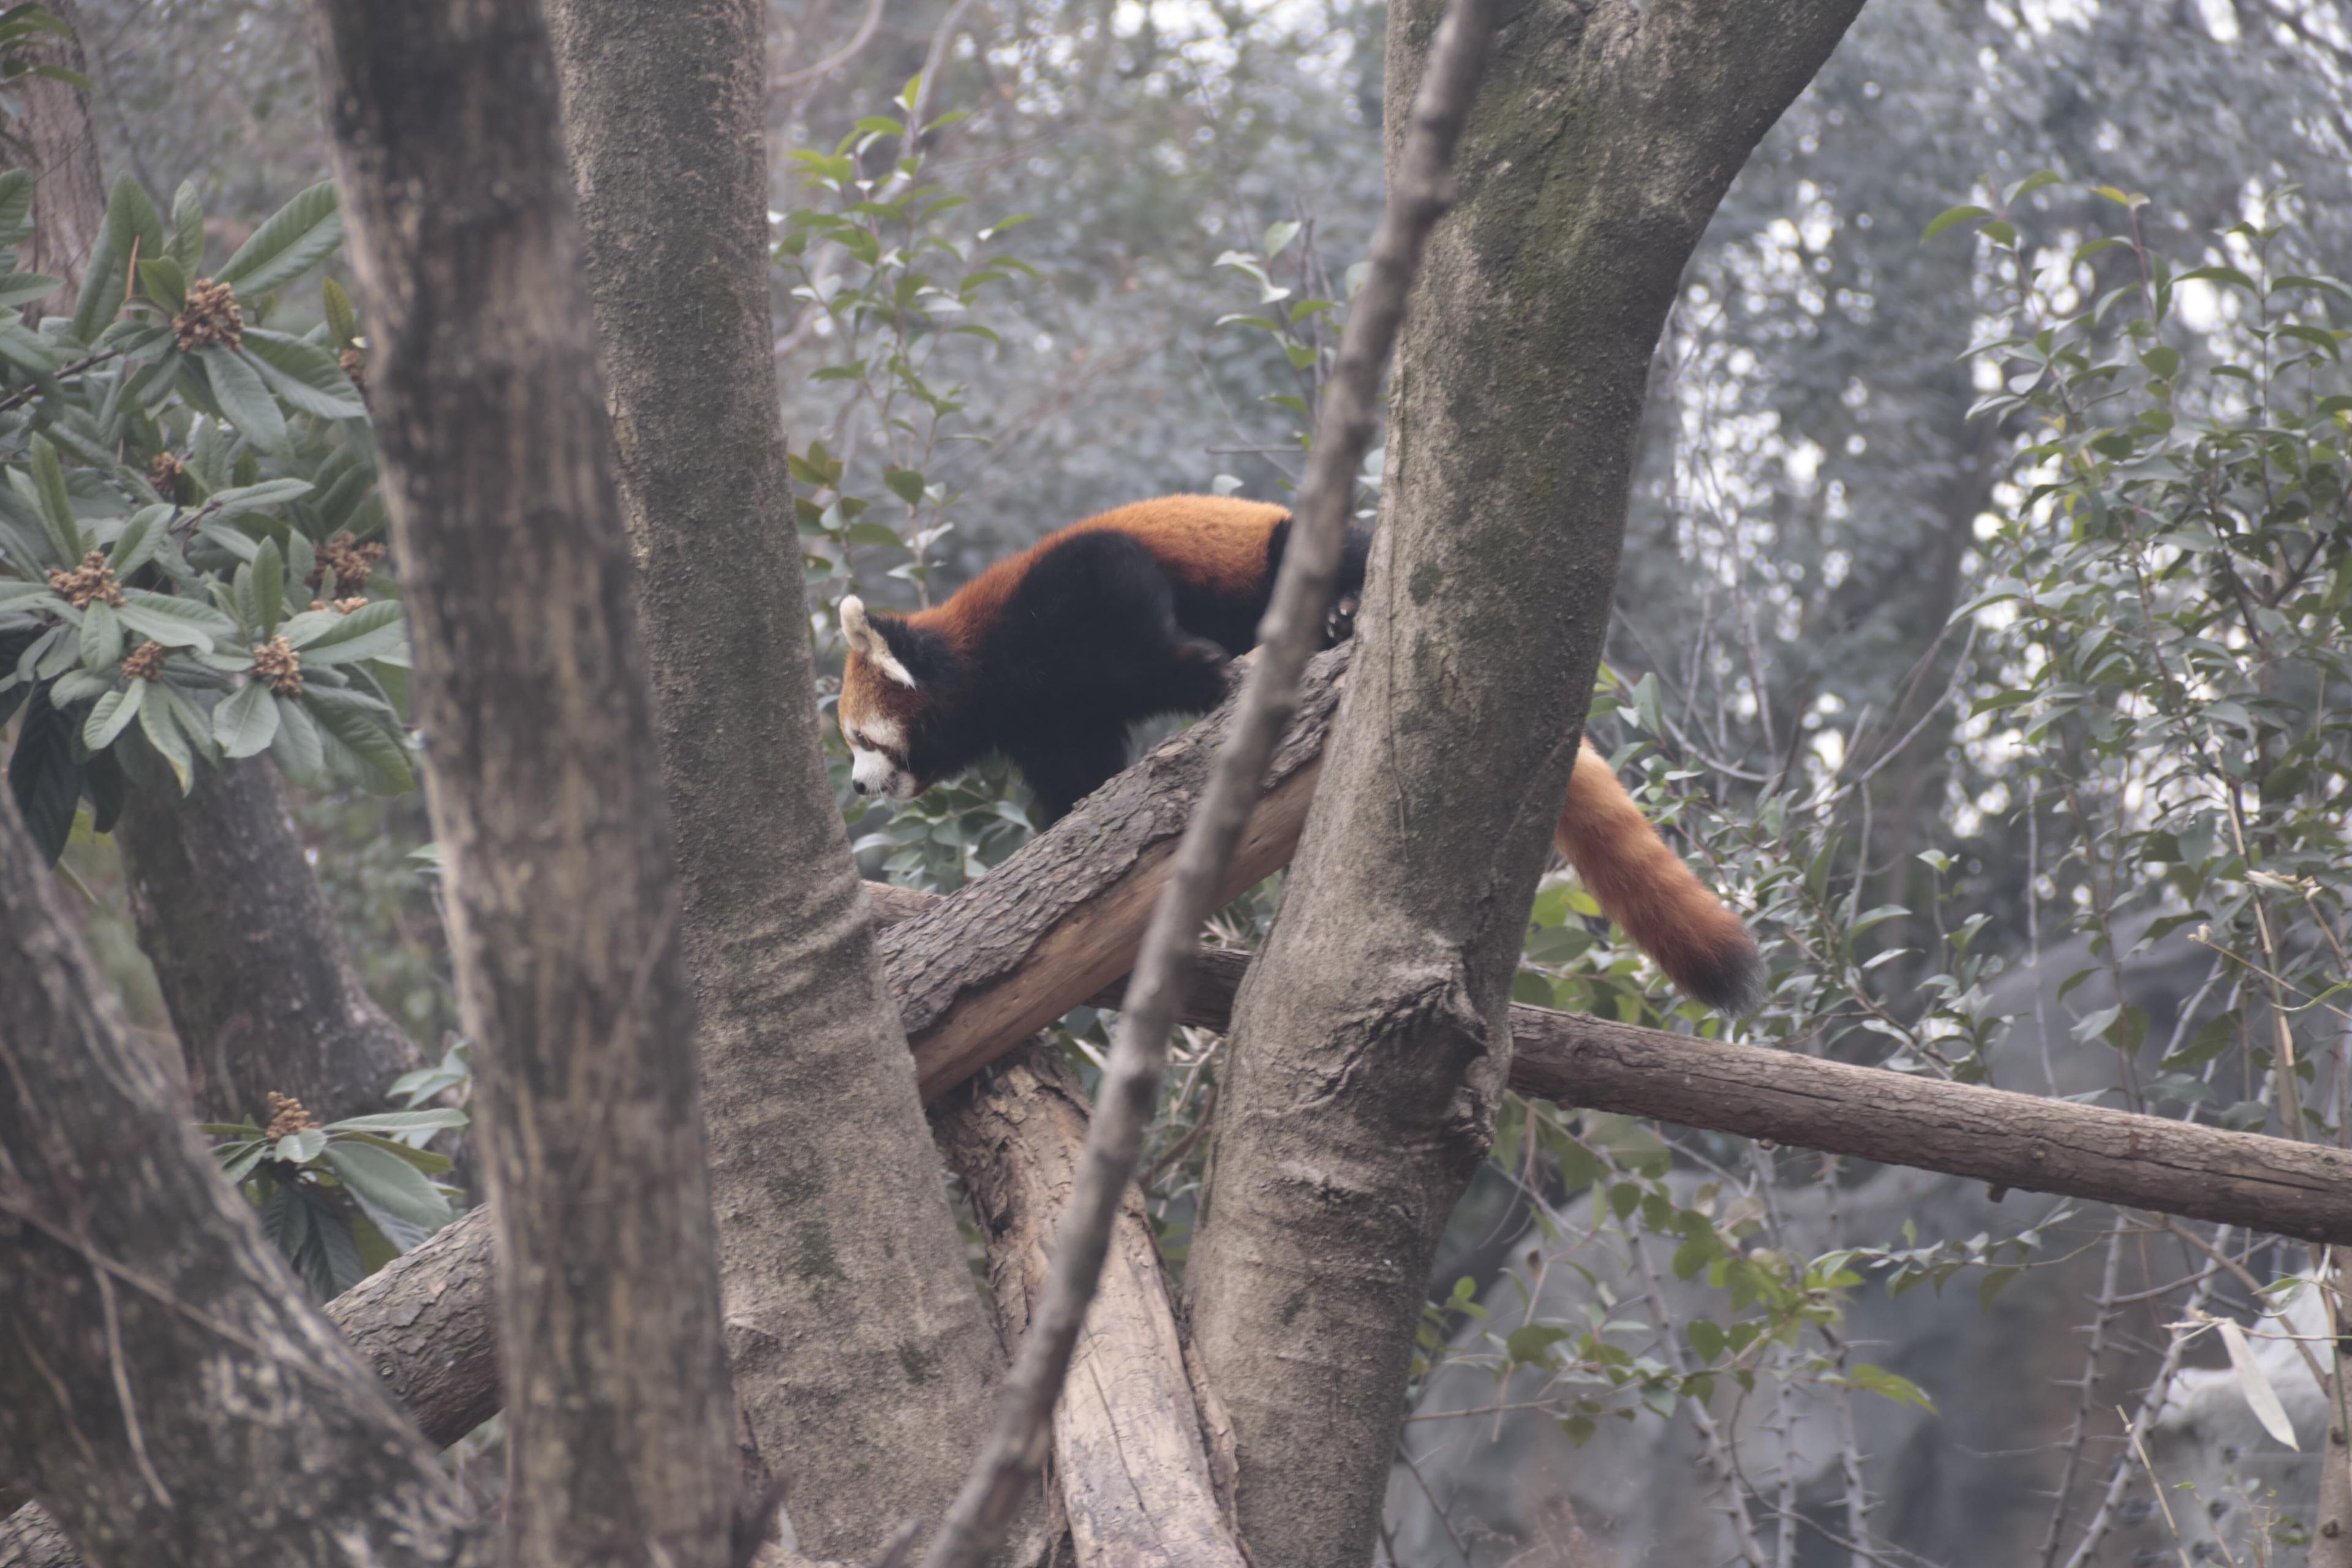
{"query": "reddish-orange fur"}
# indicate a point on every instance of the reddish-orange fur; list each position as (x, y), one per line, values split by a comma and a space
(1217, 542)
(1645, 888)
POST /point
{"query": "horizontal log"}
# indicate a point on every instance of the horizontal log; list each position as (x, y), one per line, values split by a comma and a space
(2027, 1141)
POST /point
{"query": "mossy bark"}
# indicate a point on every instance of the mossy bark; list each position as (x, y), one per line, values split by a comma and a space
(862, 1354)
(546, 797)
(1370, 1044)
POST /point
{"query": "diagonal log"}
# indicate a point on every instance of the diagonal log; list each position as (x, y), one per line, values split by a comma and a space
(1130, 1463)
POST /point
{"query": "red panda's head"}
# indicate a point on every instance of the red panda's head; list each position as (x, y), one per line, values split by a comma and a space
(881, 705)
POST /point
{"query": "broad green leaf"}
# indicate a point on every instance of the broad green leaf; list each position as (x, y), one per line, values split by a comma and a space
(387, 1184)
(20, 347)
(102, 636)
(132, 232)
(306, 375)
(175, 623)
(268, 587)
(297, 749)
(20, 288)
(162, 283)
(239, 388)
(141, 536)
(907, 484)
(57, 503)
(371, 631)
(297, 238)
(16, 206)
(163, 733)
(186, 245)
(247, 723)
(301, 1148)
(401, 1121)
(238, 499)
(110, 715)
(384, 762)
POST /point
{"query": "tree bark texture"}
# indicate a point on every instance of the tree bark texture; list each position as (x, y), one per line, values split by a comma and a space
(167, 1391)
(68, 182)
(862, 1355)
(542, 779)
(1370, 1045)
(261, 989)
(1129, 1460)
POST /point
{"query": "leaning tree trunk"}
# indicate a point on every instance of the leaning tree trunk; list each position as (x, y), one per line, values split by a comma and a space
(68, 187)
(541, 777)
(862, 1354)
(1370, 1044)
(168, 1390)
(261, 989)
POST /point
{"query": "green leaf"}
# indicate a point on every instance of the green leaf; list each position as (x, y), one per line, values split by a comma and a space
(401, 1121)
(162, 283)
(243, 397)
(110, 715)
(43, 777)
(20, 288)
(384, 762)
(268, 587)
(1527, 1343)
(239, 499)
(343, 322)
(163, 733)
(1277, 238)
(1893, 1386)
(301, 1148)
(175, 623)
(57, 504)
(186, 245)
(1948, 216)
(390, 1190)
(2229, 274)
(297, 749)
(330, 637)
(16, 206)
(20, 347)
(247, 723)
(102, 636)
(131, 233)
(306, 375)
(907, 484)
(2027, 186)
(141, 537)
(297, 238)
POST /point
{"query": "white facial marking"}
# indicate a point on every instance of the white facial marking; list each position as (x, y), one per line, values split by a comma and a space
(870, 643)
(883, 735)
(871, 771)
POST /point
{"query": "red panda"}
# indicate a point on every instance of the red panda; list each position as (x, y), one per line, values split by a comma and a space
(1051, 657)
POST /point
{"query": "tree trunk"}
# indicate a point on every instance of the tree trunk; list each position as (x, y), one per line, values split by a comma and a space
(261, 990)
(68, 187)
(861, 1352)
(1371, 1043)
(168, 1391)
(541, 781)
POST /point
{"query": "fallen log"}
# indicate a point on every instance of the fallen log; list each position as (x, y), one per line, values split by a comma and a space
(1129, 1460)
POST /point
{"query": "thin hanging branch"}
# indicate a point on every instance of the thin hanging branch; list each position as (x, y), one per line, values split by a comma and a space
(1009, 1461)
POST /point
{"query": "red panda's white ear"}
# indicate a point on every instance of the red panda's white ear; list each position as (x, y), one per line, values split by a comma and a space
(869, 643)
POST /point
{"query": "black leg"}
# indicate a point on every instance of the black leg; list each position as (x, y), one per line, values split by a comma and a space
(1066, 770)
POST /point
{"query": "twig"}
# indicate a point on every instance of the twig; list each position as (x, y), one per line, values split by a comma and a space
(1010, 1458)
(840, 56)
(17, 399)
